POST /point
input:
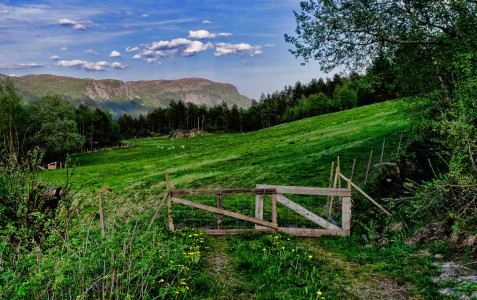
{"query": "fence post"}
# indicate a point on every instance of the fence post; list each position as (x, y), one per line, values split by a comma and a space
(400, 140)
(258, 208)
(170, 220)
(337, 172)
(369, 166)
(352, 169)
(101, 213)
(274, 209)
(219, 216)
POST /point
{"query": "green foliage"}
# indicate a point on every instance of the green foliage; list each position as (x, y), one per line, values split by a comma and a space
(127, 263)
(301, 275)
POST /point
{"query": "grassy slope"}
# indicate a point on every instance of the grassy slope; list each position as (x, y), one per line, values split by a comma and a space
(297, 153)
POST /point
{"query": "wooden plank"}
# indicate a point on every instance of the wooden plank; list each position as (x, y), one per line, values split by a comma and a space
(306, 213)
(302, 190)
(306, 232)
(222, 191)
(258, 208)
(219, 216)
(366, 195)
(346, 213)
(274, 209)
(224, 212)
(235, 231)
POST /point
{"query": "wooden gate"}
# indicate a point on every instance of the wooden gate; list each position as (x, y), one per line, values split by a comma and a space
(276, 193)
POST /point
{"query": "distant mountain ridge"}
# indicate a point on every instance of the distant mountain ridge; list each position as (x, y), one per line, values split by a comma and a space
(139, 96)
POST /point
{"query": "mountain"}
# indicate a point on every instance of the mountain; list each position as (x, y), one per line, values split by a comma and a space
(132, 97)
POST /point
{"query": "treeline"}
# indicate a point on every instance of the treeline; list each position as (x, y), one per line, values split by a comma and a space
(292, 103)
(58, 128)
(51, 125)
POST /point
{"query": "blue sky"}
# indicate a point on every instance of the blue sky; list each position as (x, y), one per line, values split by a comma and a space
(238, 42)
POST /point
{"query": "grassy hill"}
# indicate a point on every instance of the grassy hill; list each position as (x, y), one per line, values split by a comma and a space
(297, 153)
(136, 262)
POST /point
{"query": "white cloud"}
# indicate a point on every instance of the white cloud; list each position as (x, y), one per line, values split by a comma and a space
(20, 66)
(54, 57)
(90, 66)
(180, 46)
(91, 51)
(81, 25)
(145, 15)
(137, 56)
(201, 34)
(206, 22)
(115, 53)
(222, 49)
(63, 49)
(118, 65)
(67, 22)
(204, 34)
(132, 49)
(81, 65)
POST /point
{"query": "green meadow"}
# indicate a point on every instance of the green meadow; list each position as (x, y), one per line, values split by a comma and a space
(136, 262)
(297, 153)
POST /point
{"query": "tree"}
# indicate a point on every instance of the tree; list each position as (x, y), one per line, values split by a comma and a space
(53, 126)
(12, 122)
(351, 33)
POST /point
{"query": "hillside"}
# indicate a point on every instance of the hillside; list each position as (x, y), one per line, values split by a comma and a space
(187, 264)
(132, 96)
(296, 153)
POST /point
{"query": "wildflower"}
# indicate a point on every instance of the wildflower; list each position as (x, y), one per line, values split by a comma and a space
(162, 280)
(310, 256)
(283, 248)
(264, 249)
(319, 293)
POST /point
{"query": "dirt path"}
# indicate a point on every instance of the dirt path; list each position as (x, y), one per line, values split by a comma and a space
(356, 281)
(230, 283)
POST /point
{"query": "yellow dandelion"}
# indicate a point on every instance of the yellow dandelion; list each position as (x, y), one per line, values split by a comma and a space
(310, 256)
(162, 280)
(319, 293)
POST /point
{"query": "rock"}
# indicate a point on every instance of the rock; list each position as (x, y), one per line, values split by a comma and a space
(432, 232)
(439, 257)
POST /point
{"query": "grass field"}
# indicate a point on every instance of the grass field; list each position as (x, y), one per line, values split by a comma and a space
(264, 266)
(297, 153)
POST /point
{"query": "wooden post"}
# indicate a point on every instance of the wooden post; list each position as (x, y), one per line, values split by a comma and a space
(382, 151)
(170, 220)
(258, 208)
(328, 199)
(346, 214)
(352, 169)
(274, 209)
(101, 213)
(400, 140)
(369, 166)
(219, 216)
(338, 170)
